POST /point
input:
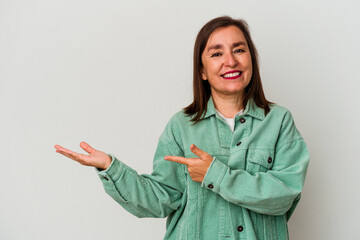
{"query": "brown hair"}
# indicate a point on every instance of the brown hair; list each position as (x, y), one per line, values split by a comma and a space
(201, 88)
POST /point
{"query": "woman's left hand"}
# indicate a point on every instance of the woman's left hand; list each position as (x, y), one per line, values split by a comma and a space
(197, 167)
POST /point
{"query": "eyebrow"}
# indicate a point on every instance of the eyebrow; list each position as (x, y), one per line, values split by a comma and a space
(218, 46)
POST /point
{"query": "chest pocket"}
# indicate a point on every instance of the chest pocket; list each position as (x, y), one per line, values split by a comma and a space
(259, 160)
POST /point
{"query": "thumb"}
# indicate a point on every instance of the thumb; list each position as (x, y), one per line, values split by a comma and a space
(86, 147)
(198, 152)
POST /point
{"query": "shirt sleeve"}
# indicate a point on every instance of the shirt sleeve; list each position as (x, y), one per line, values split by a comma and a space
(148, 195)
(274, 192)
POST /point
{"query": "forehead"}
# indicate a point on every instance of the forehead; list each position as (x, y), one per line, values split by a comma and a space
(226, 35)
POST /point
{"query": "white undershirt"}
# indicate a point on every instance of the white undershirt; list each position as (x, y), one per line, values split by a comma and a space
(230, 121)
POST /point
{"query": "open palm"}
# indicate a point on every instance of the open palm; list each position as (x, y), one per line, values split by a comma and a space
(95, 158)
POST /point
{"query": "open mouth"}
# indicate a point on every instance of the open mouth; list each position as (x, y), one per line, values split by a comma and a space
(232, 74)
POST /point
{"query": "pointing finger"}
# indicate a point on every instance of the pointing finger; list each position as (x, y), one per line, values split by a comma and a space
(86, 147)
(177, 159)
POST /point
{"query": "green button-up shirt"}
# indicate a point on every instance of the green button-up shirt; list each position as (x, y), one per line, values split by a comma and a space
(249, 191)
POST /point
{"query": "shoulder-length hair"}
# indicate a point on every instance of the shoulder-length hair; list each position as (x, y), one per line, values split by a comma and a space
(201, 88)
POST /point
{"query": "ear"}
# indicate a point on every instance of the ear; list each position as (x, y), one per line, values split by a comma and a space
(203, 75)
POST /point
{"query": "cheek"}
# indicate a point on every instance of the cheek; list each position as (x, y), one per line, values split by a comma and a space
(250, 69)
(249, 63)
(206, 71)
(248, 60)
(203, 69)
(249, 75)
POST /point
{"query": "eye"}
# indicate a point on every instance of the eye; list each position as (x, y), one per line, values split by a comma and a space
(239, 50)
(216, 54)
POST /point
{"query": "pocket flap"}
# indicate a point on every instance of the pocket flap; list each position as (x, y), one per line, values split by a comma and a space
(263, 157)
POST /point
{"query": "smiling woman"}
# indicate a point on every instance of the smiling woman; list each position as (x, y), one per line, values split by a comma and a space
(231, 165)
(227, 65)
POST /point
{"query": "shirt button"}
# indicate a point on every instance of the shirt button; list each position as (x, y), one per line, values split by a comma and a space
(210, 186)
(242, 120)
(240, 228)
(238, 144)
(269, 160)
(106, 178)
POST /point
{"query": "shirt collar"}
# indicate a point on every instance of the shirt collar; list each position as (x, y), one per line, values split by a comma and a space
(237, 114)
(210, 108)
(251, 110)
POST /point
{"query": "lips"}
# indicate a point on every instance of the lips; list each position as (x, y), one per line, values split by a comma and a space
(232, 74)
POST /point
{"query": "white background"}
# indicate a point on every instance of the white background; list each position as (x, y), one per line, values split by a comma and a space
(113, 73)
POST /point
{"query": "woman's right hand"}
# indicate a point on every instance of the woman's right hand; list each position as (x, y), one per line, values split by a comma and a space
(95, 158)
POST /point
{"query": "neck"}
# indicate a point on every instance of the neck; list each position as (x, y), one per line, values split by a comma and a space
(228, 105)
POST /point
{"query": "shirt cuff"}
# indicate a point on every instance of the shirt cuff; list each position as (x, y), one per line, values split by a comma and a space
(214, 175)
(113, 172)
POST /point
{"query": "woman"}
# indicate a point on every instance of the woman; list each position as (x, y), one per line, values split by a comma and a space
(231, 165)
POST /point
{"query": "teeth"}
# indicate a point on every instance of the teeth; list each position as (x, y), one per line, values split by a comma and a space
(232, 74)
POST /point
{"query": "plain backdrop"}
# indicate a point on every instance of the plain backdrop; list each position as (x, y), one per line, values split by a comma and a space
(113, 72)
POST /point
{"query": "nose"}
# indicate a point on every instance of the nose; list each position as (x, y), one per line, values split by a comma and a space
(230, 60)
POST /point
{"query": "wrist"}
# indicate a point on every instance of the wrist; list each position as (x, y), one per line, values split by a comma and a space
(107, 162)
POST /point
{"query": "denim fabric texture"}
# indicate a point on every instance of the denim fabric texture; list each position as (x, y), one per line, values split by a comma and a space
(249, 191)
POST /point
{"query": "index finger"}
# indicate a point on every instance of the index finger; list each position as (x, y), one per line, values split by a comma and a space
(177, 159)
